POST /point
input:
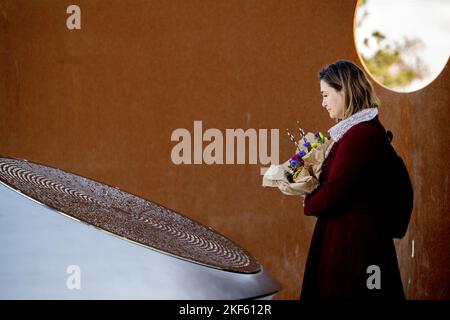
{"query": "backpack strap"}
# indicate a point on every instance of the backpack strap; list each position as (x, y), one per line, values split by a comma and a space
(390, 136)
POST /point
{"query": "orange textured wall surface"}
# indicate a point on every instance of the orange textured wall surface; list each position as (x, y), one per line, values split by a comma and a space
(103, 102)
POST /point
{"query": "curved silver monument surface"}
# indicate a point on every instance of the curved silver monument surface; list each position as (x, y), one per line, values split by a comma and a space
(64, 236)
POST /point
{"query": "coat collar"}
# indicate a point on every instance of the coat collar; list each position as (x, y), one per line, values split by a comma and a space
(336, 132)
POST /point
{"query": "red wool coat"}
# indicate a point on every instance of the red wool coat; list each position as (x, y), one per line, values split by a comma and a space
(350, 234)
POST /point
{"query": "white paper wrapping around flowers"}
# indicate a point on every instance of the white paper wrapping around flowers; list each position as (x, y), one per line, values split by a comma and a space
(306, 182)
(274, 174)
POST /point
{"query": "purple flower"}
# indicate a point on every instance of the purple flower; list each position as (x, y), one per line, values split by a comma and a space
(296, 157)
(302, 153)
(307, 144)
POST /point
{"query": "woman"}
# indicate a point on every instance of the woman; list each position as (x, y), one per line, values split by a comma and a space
(351, 256)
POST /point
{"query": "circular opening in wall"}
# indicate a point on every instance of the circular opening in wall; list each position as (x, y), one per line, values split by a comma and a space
(404, 44)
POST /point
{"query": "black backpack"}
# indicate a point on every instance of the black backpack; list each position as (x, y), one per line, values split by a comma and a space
(400, 194)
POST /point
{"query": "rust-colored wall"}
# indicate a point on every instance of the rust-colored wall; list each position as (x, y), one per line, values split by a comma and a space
(103, 101)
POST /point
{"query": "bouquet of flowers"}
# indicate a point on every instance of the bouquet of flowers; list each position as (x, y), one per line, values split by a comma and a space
(300, 174)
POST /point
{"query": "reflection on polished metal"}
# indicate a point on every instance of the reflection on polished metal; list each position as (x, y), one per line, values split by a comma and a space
(168, 256)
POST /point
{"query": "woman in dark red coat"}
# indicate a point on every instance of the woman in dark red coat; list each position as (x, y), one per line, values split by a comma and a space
(352, 255)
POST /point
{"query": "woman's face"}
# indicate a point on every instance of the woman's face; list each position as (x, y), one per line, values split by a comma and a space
(332, 100)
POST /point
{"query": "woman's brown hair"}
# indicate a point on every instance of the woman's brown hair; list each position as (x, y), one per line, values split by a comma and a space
(358, 90)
